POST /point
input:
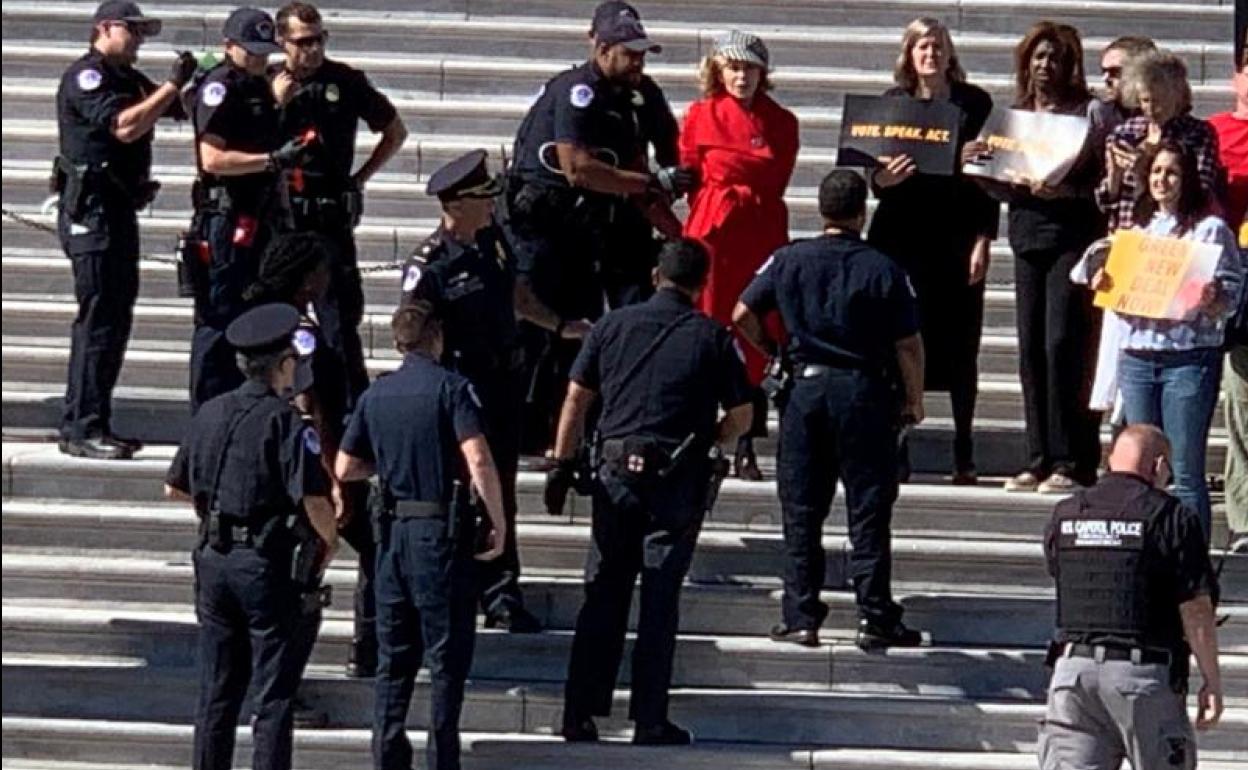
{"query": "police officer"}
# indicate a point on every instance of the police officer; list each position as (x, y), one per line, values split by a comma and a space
(332, 98)
(295, 270)
(579, 158)
(1135, 597)
(106, 111)
(252, 468)
(240, 156)
(854, 339)
(662, 369)
(632, 248)
(467, 271)
(420, 430)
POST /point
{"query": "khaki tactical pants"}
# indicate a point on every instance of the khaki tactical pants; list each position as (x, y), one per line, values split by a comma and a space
(1099, 713)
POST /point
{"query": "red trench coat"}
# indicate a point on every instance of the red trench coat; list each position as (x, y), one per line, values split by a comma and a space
(744, 159)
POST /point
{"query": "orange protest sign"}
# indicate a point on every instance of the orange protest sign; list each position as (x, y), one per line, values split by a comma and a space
(1155, 277)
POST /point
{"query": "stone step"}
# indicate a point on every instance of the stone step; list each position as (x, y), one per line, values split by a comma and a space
(50, 689)
(1199, 19)
(950, 618)
(43, 486)
(81, 744)
(391, 196)
(563, 39)
(722, 555)
(464, 86)
(165, 637)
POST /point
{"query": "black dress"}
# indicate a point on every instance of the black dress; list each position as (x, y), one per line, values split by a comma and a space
(929, 224)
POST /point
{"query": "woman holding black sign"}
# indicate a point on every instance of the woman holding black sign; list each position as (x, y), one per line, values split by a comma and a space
(1051, 222)
(940, 229)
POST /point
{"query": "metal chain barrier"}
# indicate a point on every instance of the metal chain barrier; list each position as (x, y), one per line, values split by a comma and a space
(34, 224)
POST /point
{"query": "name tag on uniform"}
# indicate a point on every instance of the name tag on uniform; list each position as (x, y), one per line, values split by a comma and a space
(462, 285)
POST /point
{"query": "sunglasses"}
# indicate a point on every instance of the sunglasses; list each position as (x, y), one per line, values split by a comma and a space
(311, 41)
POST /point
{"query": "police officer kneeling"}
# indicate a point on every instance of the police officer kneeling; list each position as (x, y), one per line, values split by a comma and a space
(252, 468)
(854, 342)
(105, 112)
(662, 370)
(421, 431)
(1135, 593)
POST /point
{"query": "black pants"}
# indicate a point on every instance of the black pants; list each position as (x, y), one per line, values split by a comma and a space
(631, 254)
(1057, 333)
(250, 619)
(359, 535)
(236, 242)
(648, 529)
(426, 610)
(340, 311)
(501, 397)
(103, 246)
(840, 425)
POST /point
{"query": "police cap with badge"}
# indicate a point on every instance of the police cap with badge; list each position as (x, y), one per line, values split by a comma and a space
(271, 328)
(618, 22)
(253, 30)
(465, 177)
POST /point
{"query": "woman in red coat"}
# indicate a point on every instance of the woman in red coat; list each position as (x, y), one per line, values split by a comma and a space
(744, 146)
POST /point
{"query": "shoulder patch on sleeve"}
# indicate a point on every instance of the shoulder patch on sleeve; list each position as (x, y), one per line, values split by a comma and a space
(89, 79)
(763, 267)
(304, 341)
(581, 95)
(213, 94)
(312, 440)
(411, 277)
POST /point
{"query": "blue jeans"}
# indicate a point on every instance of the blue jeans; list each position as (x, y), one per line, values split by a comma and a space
(1176, 391)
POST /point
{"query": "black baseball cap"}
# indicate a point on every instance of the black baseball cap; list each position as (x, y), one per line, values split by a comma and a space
(618, 22)
(252, 29)
(128, 11)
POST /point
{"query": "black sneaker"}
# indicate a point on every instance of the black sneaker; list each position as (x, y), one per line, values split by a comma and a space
(581, 730)
(516, 620)
(875, 636)
(664, 734)
(94, 448)
(806, 637)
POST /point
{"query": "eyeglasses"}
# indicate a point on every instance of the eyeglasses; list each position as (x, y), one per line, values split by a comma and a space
(311, 41)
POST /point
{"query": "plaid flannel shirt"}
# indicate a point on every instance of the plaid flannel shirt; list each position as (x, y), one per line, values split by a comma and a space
(1188, 131)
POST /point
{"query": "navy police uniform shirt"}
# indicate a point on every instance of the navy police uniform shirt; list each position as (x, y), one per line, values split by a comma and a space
(679, 388)
(1174, 547)
(91, 95)
(842, 302)
(472, 289)
(410, 425)
(272, 461)
(583, 108)
(333, 100)
(240, 109)
(658, 125)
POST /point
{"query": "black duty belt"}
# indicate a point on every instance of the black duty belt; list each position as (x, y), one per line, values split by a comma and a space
(420, 509)
(1141, 656)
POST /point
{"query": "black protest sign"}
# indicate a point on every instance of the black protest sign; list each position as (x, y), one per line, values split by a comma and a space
(875, 127)
(1029, 146)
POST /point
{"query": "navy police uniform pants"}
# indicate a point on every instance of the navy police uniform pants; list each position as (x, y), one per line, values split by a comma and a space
(426, 609)
(838, 425)
(103, 247)
(501, 397)
(648, 529)
(340, 310)
(249, 613)
(236, 242)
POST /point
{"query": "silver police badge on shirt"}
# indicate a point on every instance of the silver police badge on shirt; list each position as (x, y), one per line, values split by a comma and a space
(411, 278)
(581, 95)
(331, 93)
(90, 79)
(214, 94)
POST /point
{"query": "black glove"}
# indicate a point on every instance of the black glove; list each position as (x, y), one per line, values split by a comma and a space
(288, 155)
(675, 181)
(183, 69)
(559, 481)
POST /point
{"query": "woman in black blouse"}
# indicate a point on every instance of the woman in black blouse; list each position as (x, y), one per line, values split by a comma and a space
(940, 229)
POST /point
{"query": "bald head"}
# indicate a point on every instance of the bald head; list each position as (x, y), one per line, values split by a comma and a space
(1138, 450)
